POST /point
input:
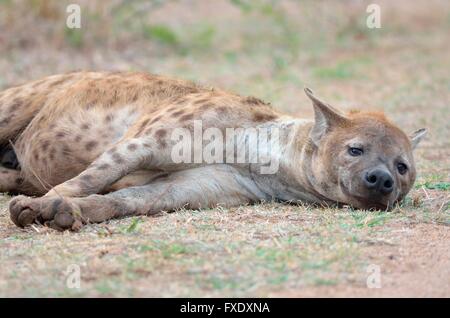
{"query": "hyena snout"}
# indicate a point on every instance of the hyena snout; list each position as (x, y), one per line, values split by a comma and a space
(379, 181)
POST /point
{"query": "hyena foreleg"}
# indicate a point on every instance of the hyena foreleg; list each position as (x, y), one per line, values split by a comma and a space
(202, 187)
(146, 146)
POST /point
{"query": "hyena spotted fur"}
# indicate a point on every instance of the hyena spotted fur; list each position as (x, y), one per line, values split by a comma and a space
(93, 146)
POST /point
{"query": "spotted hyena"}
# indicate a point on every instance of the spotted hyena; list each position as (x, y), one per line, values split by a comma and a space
(99, 146)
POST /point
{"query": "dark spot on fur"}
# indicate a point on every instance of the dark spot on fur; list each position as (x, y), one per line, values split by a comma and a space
(222, 110)
(16, 104)
(52, 154)
(134, 97)
(86, 177)
(60, 134)
(109, 118)
(85, 126)
(19, 180)
(45, 145)
(78, 138)
(91, 145)
(262, 117)
(132, 147)
(160, 134)
(186, 117)
(178, 113)
(254, 101)
(117, 158)
(103, 166)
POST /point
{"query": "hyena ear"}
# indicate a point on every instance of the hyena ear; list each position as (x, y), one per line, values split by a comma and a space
(325, 117)
(417, 136)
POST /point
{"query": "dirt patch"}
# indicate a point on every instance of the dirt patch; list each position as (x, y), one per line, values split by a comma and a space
(414, 261)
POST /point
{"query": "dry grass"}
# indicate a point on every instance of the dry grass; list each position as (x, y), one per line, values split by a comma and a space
(269, 52)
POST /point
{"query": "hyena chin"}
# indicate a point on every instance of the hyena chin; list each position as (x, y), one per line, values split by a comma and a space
(92, 146)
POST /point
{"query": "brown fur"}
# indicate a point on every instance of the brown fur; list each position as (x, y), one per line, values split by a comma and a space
(86, 133)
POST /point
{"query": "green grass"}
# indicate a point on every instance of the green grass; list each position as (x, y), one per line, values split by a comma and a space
(74, 37)
(444, 186)
(161, 33)
(344, 70)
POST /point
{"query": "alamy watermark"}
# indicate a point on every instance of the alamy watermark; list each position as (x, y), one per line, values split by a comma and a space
(373, 20)
(73, 276)
(73, 20)
(249, 145)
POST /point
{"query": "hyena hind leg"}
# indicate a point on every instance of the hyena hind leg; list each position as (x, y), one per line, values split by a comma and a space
(117, 162)
(12, 182)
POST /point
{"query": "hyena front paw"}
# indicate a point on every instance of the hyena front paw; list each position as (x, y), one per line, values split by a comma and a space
(55, 212)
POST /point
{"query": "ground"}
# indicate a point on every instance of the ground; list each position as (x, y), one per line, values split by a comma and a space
(271, 52)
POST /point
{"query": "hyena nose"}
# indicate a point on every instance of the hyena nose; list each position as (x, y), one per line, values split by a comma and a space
(379, 180)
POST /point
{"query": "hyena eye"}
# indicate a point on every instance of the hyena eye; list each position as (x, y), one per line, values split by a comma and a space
(402, 168)
(355, 152)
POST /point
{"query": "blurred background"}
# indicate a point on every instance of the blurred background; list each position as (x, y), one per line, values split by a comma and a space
(267, 48)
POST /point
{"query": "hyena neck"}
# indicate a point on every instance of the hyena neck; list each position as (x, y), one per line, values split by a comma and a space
(290, 183)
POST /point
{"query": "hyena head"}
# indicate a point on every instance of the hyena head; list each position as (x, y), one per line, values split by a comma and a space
(360, 159)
